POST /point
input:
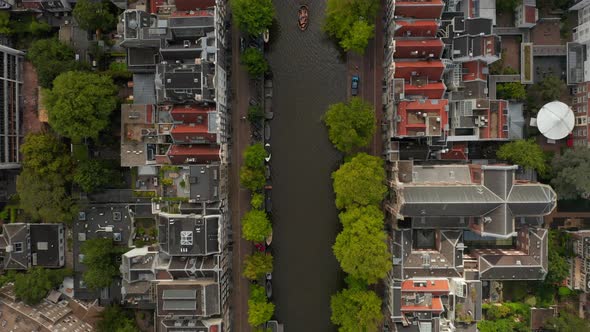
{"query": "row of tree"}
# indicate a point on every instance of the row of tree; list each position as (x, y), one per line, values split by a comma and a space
(359, 187)
(256, 227)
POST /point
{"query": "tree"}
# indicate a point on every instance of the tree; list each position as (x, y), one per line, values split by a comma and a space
(358, 38)
(44, 154)
(51, 58)
(558, 254)
(351, 22)
(360, 182)
(92, 175)
(368, 215)
(356, 310)
(495, 312)
(549, 89)
(571, 169)
(254, 156)
(255, 114)
(257, 200)
(567, 322)
(361, 250)
(79, 105)
(5, 23)
(33, 286)
(44, 198)
(92, 15)
(256, 226)
(525, 153)
(259, 309)
(99, 259)
(506, 5)
(256, 64)
(257, 265)
(511, 91)
(252, 179)
(350, 125)
(114, 318)
(253, 16)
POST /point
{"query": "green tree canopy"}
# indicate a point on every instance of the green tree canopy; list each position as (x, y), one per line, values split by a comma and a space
(44, 198)
(525, 153)
(506, 5)
(511, 91)
(360, 182)
(351, 22)
(256, 64)
(350, 125)
(33, 286)
(44, 154)
(549, 89)
(254, 156)
(99, 259)
(51, 58)
(356, 310)
(114, 318)
(361, 250)
(256, 226)
(567, 322)
(571, 169)
(252, 178)
(259, 309)
(92, 175)
(368, 215)
(253, 16)
(257, 265)
(558, 254)
(79, 105)
(5, 23)
(257, 201)
(92, 15)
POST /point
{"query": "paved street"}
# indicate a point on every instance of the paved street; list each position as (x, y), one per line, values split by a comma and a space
(239, 197)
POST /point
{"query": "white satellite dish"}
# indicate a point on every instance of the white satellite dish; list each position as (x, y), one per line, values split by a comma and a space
(555, 120)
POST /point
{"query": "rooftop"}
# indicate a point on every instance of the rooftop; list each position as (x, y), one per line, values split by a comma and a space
(189, 235)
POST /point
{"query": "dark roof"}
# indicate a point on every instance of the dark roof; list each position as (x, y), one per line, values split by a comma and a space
(540, 316)
(498, 201)
(204, 183)
(476, 26)
(47, 245)
(189, 235)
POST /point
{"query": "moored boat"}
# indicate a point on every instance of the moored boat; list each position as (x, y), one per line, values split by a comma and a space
(303, 20)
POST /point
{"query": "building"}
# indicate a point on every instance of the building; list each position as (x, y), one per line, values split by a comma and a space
(459, 225)
(179, 111)
(185, 278)
(526, 14)
(108, 221)
(23, 246)
(579, 278)
(11, 115)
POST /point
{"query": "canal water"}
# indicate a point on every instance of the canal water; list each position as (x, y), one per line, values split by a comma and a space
(309, 74)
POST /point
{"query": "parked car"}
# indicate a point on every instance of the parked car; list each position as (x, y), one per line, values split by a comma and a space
(267, 131)
(268, 154)
(355, 85)
(267, 172)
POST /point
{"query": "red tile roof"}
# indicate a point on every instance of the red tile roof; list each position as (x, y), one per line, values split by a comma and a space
(429, 286)
(422, 9)
(473, 70)
(192, 114)
(418, 48)
(426, 28)
(431, 90)
(193, 4)
(201, 154)
(436, 306)
(433, 70)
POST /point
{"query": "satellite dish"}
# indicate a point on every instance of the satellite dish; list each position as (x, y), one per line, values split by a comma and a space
(555, 120)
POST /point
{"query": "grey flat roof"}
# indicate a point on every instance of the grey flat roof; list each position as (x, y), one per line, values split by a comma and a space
(179, 294)
(179, 305)
(189, 235)
(204, 183)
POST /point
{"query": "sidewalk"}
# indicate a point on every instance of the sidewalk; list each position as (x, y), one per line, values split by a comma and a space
(239, 198)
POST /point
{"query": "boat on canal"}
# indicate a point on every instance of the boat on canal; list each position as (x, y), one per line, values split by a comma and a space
(303, 20)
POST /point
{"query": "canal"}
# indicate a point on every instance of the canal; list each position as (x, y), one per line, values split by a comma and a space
(309, 74)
